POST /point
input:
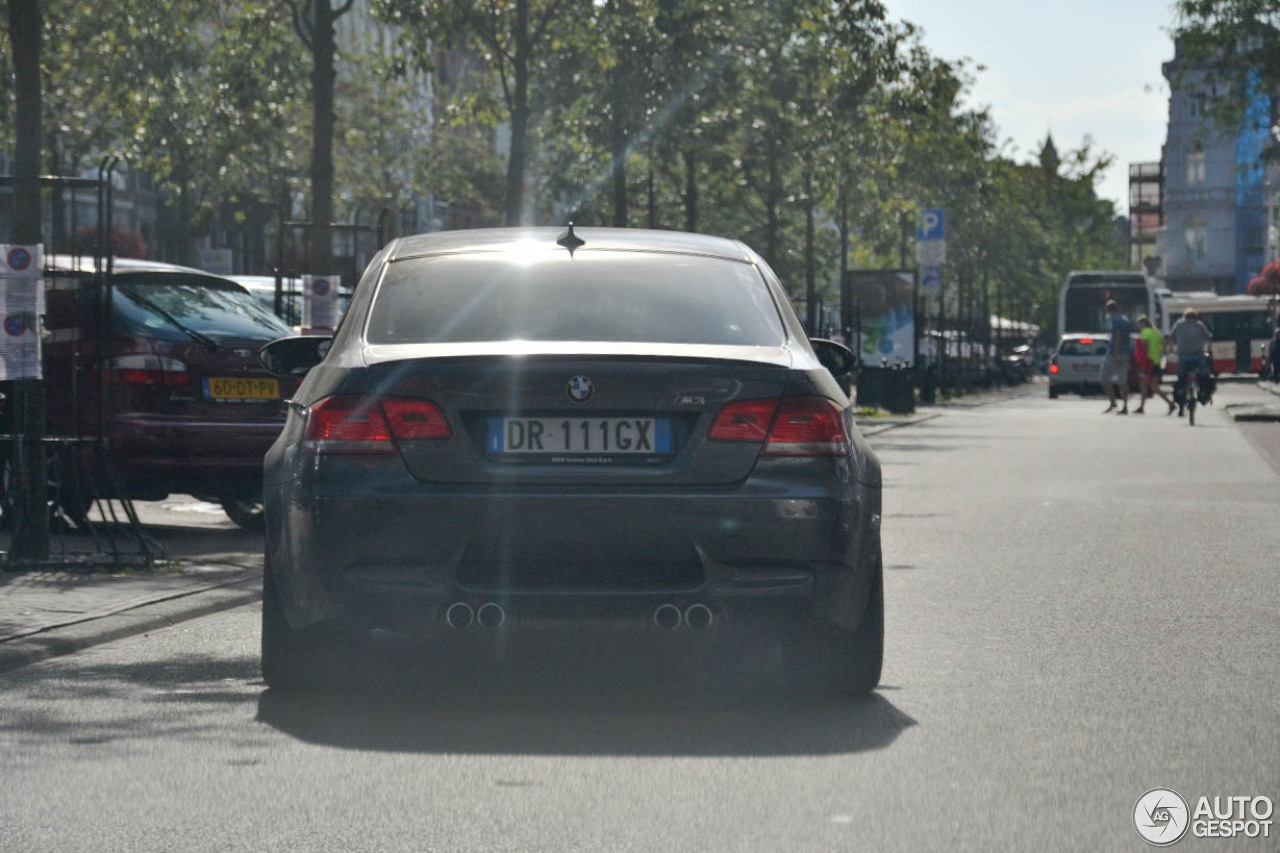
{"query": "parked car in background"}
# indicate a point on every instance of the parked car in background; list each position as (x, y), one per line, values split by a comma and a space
(263, 288)
(522, 431)
(172, 388)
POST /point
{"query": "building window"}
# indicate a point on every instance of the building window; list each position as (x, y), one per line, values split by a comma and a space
(1195, 105)
(1195, 168)
(1197, 238)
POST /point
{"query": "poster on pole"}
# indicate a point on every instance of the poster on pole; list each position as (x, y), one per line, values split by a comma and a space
(319, 303)
(884, 319)
(21, 304)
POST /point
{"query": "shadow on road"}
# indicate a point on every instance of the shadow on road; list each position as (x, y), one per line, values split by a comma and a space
(630, 710)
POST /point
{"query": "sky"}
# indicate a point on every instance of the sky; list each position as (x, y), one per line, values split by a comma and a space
(1085, 68)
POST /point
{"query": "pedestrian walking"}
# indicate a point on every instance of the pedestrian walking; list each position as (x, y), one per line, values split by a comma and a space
(1148, 353)
(1115, 369)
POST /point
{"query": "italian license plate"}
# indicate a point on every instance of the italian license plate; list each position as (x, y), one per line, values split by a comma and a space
(226, 389)
(567, 436)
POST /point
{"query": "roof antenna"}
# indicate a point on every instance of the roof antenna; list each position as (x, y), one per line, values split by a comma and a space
(571, 241)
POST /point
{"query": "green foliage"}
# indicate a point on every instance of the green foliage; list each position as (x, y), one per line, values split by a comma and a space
(758, 120)
(1236, 44)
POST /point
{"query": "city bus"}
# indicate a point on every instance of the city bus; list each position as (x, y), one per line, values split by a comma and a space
(1241, 325)
(1082, 304)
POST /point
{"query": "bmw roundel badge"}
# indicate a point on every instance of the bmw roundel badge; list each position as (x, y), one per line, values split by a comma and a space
(580, 389)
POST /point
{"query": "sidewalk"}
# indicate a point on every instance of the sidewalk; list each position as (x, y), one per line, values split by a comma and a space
(209, 565)
(1265, 412)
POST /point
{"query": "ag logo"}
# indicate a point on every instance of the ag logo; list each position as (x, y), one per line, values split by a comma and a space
(1161, 817)
(580, 389)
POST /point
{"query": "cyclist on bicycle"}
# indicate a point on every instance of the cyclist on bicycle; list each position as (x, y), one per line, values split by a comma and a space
(1191, 338)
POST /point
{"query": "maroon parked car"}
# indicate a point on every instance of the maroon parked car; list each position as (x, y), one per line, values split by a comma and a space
(177, 393)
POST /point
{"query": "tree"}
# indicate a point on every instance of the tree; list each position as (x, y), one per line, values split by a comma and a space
(314, 20)
(515, 37)
(1237, 44)
(31, 533)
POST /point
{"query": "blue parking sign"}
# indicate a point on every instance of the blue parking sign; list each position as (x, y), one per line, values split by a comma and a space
(933, 224)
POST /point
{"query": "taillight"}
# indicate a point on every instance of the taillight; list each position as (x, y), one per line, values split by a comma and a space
(808, 426)
(358, 424)
(792, 426)
(1053, 368)
(148, 369)
(745, 420)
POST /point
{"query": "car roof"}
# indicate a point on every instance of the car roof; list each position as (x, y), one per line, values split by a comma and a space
(522, 240)
(85, 264)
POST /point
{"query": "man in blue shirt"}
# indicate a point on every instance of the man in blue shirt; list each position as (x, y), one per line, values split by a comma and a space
(1115, 369)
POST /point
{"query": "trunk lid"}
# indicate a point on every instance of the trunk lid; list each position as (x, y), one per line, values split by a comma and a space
(604, 414)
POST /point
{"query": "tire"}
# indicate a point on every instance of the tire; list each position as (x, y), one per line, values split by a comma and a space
(298, 661)
(245, 514)
(849, 663)
(1053, 393)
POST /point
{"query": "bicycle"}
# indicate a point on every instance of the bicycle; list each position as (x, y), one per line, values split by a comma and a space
(1193, 395)
(1191, 389)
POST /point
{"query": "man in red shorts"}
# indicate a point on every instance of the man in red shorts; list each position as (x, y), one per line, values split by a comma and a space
(1147, 352)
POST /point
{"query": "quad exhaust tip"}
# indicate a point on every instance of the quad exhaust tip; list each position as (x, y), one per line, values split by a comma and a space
(459, 615)
(698, 616)
(491, 615)
(667, 616)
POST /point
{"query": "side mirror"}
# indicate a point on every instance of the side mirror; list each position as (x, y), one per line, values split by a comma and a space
(838, 359)
(294, 356)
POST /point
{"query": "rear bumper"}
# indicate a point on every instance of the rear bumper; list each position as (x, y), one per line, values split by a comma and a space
(158, 454)
(553, 560)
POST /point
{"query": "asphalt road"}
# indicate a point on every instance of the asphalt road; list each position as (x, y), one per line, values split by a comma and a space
(1079, 608)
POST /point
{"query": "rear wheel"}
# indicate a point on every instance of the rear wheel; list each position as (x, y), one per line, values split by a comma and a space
(848, 664)
(244, 513)
(1053, 393)
(295, 661)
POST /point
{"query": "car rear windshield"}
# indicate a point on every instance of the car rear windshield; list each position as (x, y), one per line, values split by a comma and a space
(1096, 346)
(221, 310)
(592, 296)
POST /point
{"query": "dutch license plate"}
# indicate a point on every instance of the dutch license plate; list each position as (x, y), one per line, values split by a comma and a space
(614, 436)
(234, 390)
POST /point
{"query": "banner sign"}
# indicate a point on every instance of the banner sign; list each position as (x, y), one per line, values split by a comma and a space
(885, 333)
(21, 304)
(319, 302)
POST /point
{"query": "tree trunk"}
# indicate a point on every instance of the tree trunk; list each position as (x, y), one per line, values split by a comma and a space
(810, 262)
(690, 157)
(31, 529)
(186, 249)
(772, 194)
(322, 78)
(652, 200)
(846, 294)
(519, 118)
(618, 146)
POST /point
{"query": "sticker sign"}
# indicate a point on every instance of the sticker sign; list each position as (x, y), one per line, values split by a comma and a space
(319, 303)
(20, 261)
(21, 304)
